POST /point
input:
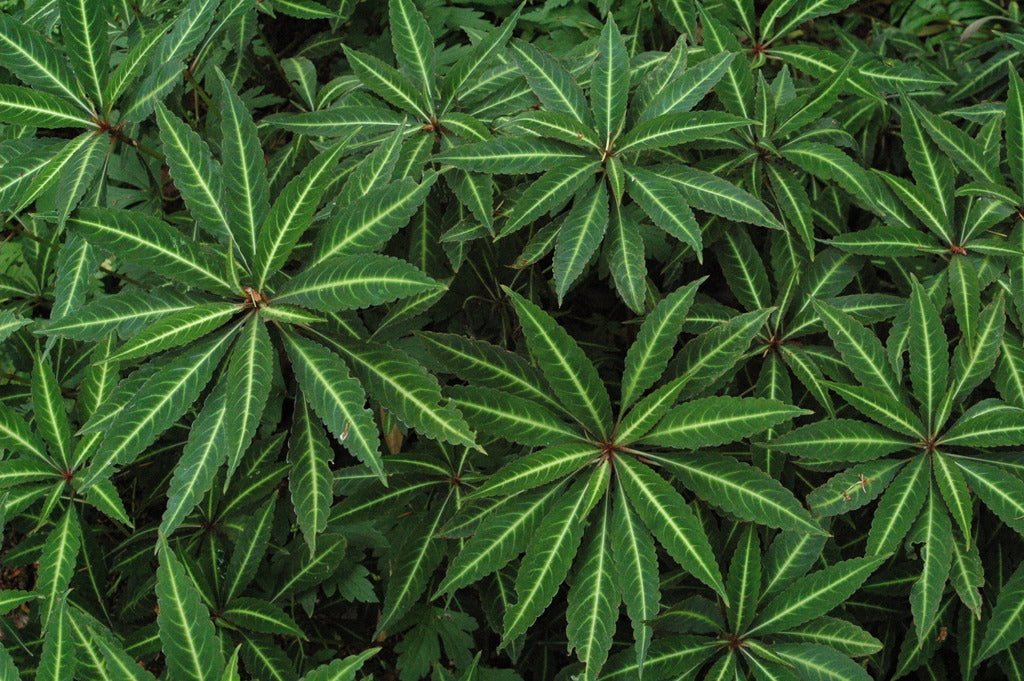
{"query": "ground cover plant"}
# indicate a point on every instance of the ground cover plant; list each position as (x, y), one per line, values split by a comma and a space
(487, 341)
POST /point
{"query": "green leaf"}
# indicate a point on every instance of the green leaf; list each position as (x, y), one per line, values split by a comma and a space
(636, 571)
(83, 25)
(1015, 128)
(196, 175)
(609, 94)
(123, 312)
(511, 155)
(344, 669)
(936, 533)
(260, 616)
(540, 467)
(310, 480)
(899, 507)
(405, 388)
(292, 212)
(246, 189)
(678, 127)
(705, 358)
(156, 405)
(551, 551)
(988, 424)
(554, 86)
(717, 196)
(740, 489)
(249, 378)
(648, 356)
(22, 106)
(579, 237)
(413, 44)
(57, 661)
(714, 421)
(388, 83)
(177, 328)
(352, 282)
(1002, 492)
(486, 365)
(593, 600)
(815, 595)
(36, 61)
(151, 243)
(501, 536)
(626, 259)
(337, 398)
(929, 354)
(744, 580)
(366, 224)
(671, 520)
(514, 418)
(846, 637)
(572, 377)
(685, 91)
(1006, 625)
(202, 456)
(187, 635)
(57, 564)
(860, 349)
(549, 192)
(51, 417)
(840, 440)
(666, 206)
(817, 662)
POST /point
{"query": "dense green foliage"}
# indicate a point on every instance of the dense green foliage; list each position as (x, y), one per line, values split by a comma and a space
(412, 339)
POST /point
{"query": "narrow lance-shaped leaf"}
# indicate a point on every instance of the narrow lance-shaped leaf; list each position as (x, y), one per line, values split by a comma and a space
(648, 356)
(929, 359)
(51, 417)
(292, 212)
(570, 373)
(579, 237)
(636, 571)
(500, 537)
(246, 189)
(936, 534)
(609, 84)
(158, 403)
(551, 552)
(352, 282)
(196, 175)
(815, 595)
(594, 597)
(1006, 625)
(248, 376)
(57, 563)
(28, 55)
(671, 520)
(202, 456)
(152, 243)
(84, 28)
(337, 398)
(310, 480)
(187, 635)
(414, 565)
(741, 489)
